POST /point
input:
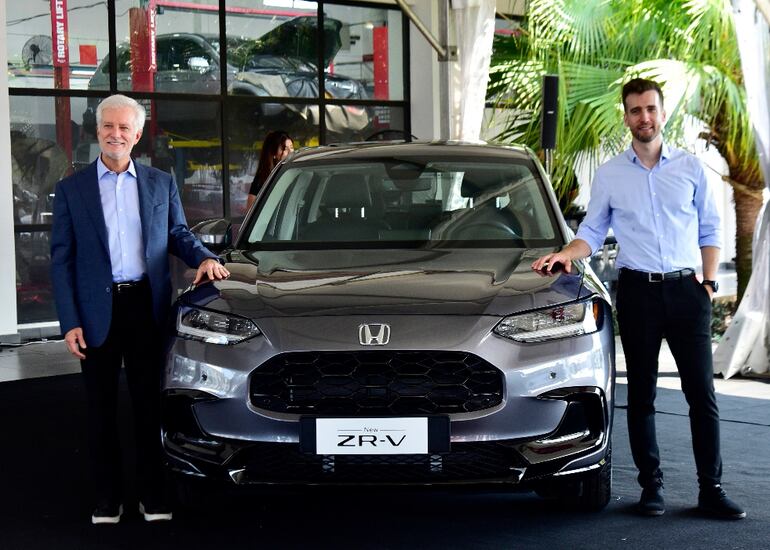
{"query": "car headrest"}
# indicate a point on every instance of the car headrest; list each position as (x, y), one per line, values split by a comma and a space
(470, 189)
(346, 191)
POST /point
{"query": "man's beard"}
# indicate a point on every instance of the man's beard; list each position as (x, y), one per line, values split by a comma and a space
(646, 137)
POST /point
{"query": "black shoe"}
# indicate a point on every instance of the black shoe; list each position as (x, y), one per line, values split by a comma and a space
(651, 502)
(155, 512)
(106, 513)
(714, 502)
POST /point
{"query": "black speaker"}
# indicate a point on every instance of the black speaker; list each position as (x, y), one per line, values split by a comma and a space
(550, 109)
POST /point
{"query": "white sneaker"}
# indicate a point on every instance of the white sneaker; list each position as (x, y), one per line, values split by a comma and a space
(160, 513)
(106, 514)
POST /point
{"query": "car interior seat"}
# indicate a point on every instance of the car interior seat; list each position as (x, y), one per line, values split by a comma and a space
(347, 212)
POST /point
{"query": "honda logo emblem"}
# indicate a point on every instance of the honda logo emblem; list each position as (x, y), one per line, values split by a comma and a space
(377, 334)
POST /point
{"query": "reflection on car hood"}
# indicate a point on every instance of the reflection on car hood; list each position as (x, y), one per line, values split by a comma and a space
(385, 282)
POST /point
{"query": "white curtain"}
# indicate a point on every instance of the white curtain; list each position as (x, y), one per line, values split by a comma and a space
(475, 25)
(745, 347)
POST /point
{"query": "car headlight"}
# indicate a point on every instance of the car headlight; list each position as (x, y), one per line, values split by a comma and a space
(213, 327)
(562, 321)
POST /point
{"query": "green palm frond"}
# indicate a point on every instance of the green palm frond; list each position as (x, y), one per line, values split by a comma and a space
(689, 46)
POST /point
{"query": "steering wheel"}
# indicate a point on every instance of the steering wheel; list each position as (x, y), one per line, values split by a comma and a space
(494, 226)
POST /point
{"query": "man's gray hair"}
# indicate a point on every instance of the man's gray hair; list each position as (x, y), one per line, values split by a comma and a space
(119, 101)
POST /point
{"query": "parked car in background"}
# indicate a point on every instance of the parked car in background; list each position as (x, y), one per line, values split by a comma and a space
(282, 63)
(382, 325)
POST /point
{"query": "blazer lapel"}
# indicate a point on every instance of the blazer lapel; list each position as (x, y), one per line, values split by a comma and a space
(92, 199)
(145, 182)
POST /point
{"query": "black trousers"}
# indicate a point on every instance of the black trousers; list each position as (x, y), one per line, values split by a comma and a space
(680, 311)
(133, 340)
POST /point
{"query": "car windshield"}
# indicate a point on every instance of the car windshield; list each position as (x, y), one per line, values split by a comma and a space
(409, 202)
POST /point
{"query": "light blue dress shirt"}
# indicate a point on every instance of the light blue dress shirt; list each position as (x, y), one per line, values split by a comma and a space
(120, 203)
(661, 217)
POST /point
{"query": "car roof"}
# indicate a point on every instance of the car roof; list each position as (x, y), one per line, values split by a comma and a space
(362, 151)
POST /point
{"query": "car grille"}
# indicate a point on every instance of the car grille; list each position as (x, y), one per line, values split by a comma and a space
(286, 463)
(375, 383)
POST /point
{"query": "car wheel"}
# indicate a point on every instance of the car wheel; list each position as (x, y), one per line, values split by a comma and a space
(591, 493)
(192, 493)
(597, 487)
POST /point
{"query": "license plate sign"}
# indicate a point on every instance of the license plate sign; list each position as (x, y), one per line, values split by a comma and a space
(371, 436)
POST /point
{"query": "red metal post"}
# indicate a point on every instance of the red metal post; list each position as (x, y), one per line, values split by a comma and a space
(141, 27)
(142, 30)
(380, 58)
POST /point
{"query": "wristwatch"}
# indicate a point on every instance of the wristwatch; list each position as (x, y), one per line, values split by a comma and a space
(713, 284)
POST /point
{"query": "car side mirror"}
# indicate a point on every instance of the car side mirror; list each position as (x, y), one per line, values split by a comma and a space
(216, 234)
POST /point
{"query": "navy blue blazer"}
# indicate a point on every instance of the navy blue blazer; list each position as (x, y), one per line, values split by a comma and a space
(81, 270)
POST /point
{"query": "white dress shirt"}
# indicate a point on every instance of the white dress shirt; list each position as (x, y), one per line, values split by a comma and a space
(120, 203)
(660, 216)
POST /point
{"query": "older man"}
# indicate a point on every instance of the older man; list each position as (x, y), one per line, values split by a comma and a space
(115, 223)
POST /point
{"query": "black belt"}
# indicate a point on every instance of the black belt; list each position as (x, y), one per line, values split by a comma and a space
(129, 286)
(643, 276)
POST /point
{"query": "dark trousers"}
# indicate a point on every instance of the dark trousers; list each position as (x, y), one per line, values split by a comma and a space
(680, 311)
(133, 340)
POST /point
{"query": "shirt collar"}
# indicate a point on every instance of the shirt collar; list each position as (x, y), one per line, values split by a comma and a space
(665, 153)
(101, 169)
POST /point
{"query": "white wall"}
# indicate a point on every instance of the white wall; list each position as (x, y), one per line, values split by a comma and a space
(424, 74)
(8, 329)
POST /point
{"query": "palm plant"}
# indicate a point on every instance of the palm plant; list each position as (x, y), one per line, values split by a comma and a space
(594, 46)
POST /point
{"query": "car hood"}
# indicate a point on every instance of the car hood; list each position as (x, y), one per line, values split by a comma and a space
(385, 282)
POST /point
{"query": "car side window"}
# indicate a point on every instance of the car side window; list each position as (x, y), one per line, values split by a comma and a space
(182, 50)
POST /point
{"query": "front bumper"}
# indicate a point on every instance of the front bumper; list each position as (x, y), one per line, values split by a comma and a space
(579, 444)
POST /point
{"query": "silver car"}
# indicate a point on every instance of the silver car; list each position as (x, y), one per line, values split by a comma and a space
(382, 325)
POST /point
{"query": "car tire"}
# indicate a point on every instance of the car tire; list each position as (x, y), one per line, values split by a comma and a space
(591, 493)
(192, 493)
(597, 487)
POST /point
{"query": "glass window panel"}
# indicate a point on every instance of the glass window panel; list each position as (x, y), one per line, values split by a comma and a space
(185, 47)
(370, 53)
(48, 141)
(273, 48)
(249, 122)
(34, 295)
(183, 138)
(364, 123)
(59, 50)
(187, 144)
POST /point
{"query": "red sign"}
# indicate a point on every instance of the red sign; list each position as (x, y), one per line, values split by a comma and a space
(59, 34)
(88, 54)
(152, 15)
(380, 57)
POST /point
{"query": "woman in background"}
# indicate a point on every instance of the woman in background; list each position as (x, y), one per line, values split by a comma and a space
(276, 147)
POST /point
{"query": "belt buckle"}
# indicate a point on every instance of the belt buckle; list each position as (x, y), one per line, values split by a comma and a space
(655, 277)
(120, 287)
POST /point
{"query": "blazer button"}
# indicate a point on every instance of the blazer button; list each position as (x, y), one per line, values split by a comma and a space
(108, 290)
